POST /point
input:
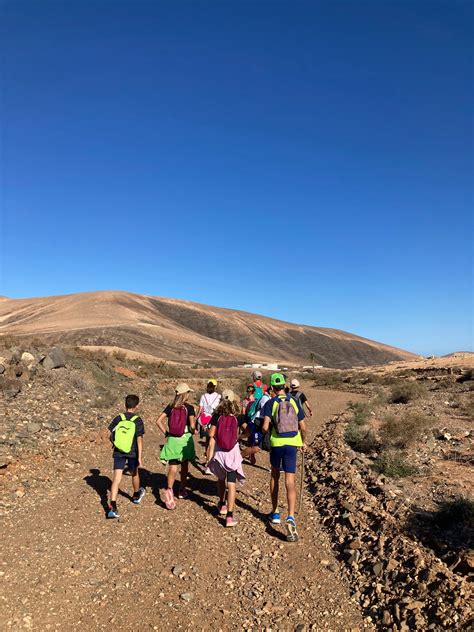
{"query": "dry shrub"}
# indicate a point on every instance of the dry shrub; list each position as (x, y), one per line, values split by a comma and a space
(456, 513)
(104, 399)
(121, 356)
(361, 439)
(404, 430)
(361, 412)
(405, 392)
(394, 464)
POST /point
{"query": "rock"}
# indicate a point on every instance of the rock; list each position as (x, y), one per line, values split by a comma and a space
(28, 359)
(186, 596)
(55, 359)
(10, 387)
(386, 618)
(377, 568)
(33, 427)
(177, 570)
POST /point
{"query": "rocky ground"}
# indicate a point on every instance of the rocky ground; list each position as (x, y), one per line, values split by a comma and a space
(371, 555)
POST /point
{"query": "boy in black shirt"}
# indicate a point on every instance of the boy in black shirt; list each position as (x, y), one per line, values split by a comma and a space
(132, 458)
(300, 396)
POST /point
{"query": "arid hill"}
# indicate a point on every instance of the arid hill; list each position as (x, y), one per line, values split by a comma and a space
(187, 332)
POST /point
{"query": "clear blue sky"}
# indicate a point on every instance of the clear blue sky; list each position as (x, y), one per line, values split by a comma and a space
(188, 149)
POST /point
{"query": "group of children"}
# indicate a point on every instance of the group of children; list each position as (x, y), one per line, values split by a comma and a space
(271, 417)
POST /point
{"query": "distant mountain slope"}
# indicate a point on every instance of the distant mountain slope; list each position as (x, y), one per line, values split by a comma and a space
(184, 331)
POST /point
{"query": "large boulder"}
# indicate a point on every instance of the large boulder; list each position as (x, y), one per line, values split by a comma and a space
(55, 359)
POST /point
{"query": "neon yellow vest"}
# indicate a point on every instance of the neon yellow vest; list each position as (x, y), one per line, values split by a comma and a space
(275, 440)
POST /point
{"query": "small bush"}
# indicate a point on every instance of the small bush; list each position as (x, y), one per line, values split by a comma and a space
(394, 465)
(121, 356)
(457, 513)
(361, 439)
(405, 392)
(361, 412)
(104, 399)
(404, 430)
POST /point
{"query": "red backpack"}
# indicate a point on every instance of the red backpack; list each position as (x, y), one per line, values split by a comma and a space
(227, 432)
(177, 421)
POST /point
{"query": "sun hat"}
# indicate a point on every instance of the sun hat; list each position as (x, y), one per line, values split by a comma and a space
(277, 379)
(257, 375)
(182, 388)
(229, 394)
(294, 384)
(212, 381)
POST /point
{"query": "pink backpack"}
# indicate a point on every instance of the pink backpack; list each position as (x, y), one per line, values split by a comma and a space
(177, 421)
(227, 432)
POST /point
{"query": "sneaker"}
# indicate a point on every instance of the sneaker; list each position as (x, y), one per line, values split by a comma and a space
(223, 510)
(230, 521)
(169, 499)
(113, 513)
(274, 518)
(137, 496)
(182, 493)
(291, 532)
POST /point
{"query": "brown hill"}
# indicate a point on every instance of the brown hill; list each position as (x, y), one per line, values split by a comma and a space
(184, 331)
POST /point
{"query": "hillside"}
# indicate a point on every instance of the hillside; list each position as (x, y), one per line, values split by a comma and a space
(183, 331)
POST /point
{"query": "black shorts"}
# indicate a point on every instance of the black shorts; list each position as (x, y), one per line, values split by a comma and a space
(121, 461)
(231, 477)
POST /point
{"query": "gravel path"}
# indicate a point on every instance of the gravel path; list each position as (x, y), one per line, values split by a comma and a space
(64, 567)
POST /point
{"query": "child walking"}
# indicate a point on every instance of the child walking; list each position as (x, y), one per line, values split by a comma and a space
(179, 446)
(225, 460)
(126, 435)
(207, 405)
(283, 418)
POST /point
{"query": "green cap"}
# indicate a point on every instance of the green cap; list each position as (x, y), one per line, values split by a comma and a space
(277, 379)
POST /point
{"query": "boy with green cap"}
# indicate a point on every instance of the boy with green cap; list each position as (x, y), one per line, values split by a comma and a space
(283, 418)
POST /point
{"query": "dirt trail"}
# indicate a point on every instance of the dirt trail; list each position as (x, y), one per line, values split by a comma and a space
(64, 567)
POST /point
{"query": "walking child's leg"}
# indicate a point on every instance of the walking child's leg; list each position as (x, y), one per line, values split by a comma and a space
(231, 492)
(117, 477)
(135, 480)
(274, 482)
(290, 492)
(184, 473)
(221, 490)
(171, 476)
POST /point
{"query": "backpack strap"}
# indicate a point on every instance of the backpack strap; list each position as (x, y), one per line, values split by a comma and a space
(122, 417)
(134, 418)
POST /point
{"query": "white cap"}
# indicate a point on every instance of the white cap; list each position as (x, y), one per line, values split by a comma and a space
(182, 388)
(229, 394)
(257, 375)
(294, 384)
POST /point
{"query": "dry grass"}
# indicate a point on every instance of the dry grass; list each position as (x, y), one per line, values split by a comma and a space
(404, 430)
(361, 439)
(405, 392)
(361, 412)
(394, 464)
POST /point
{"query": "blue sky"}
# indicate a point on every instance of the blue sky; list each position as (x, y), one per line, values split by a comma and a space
(307, 161)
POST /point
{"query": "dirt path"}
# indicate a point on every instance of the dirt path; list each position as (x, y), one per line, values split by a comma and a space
(64, 567)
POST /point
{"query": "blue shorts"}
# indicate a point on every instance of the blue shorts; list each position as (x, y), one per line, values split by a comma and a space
(120, 460)
(284, 458)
